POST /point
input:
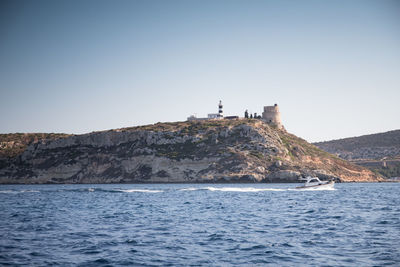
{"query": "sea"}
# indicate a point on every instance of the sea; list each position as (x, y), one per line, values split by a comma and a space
(356, 224)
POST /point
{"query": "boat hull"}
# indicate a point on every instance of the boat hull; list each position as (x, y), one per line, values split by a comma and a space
(319, 186)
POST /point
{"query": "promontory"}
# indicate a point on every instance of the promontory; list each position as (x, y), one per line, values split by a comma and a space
(239, 150)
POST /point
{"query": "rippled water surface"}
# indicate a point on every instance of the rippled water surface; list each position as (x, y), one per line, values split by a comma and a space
(175, 225)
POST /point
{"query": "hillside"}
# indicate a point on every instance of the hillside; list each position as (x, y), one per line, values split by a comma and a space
(379, 152)
(14, 144)
(373, 146)
(246, 150)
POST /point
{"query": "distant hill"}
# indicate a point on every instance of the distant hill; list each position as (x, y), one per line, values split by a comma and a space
(379, 152)
(244, 150)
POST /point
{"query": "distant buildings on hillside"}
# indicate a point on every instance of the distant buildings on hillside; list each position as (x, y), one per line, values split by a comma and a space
(271, 115)
(210, 116)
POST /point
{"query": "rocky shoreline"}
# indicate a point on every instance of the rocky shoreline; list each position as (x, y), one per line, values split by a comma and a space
(215, 151)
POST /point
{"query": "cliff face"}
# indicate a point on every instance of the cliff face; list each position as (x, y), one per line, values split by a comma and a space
(203, 151)
(12, 145)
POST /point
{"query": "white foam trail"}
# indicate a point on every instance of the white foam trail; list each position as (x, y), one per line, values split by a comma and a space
(30, 191)
(190, 189)
(16, 192)
(139, 190)
(315, 189)
(243, 189)
(8, 192)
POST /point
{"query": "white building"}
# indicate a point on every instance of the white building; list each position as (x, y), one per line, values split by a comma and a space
(210, 116)
(213, 116)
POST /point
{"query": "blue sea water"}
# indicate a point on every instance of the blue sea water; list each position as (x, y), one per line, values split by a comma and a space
(200, 225)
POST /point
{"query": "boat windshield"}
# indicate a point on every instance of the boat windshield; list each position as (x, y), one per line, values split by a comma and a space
(313, 180)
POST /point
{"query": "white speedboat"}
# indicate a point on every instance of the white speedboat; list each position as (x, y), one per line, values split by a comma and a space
(315, 182)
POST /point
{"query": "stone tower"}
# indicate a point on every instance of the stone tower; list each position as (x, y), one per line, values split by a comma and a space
(272, 115)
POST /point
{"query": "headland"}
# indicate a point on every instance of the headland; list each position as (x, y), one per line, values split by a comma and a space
(196, 151)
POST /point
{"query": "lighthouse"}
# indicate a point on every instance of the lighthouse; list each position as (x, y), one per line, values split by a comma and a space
(220, 113)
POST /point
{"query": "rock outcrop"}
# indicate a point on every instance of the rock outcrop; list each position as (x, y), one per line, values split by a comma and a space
(243, 150)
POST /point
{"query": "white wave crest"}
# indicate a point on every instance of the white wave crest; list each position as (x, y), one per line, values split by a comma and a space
(16, 192)
(190, 189)
(8, 192)
(139, 190)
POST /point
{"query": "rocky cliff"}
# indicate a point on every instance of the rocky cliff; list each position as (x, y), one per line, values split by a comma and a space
(245, 150)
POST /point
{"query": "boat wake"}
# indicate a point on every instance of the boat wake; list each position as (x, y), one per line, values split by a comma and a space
(143, 190)
(17, 191)
(315, 189)
(138, 191)
(252, 189)
(243, 189)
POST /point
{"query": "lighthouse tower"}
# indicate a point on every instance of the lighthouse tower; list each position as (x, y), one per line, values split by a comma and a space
(220, 113)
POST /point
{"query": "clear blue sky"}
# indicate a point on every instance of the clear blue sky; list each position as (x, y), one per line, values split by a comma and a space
(80, 66)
